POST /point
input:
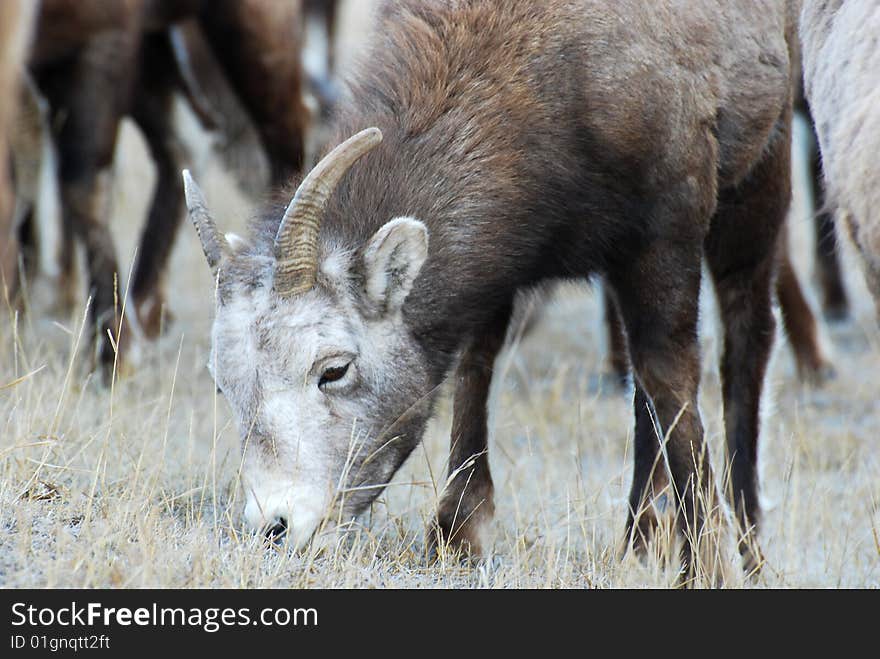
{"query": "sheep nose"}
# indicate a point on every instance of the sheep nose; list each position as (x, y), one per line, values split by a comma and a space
(277, 531)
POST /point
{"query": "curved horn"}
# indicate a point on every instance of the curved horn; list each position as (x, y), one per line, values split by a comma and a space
(213, 242)
(296, 243)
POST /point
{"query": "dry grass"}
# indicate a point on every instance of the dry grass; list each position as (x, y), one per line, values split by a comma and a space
(136, 485)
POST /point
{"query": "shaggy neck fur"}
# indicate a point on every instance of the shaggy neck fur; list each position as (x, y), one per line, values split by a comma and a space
(473, 147)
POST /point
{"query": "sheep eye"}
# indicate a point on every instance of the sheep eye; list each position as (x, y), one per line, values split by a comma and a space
(333, 374)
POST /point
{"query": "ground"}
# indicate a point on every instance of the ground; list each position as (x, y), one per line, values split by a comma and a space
(136, 484)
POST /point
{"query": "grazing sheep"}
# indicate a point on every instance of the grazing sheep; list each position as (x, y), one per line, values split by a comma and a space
(497, 146)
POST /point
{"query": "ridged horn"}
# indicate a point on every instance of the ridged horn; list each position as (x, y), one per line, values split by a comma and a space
(296, 243)
(213, 242)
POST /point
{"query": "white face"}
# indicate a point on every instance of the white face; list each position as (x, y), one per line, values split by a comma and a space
(323, 385)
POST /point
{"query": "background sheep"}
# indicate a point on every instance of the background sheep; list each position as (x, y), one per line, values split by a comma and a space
(841, 59)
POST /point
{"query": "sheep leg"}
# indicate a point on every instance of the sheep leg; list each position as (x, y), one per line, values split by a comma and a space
(649, 469)
(68, 272)
(749, 327)
(83, 202)
(649, 475)
(798, 319)
(618, 355)
(466, 505)
(741, 252)
(658, 297)
(835, 303)
(152, 111)
(265, 71)
(88, 96)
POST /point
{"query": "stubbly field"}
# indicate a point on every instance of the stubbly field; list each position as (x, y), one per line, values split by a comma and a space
(136, 484)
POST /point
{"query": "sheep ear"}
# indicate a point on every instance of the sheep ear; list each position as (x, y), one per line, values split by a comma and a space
(391, 261)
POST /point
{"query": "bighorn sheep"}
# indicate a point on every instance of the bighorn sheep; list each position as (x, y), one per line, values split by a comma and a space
(495, 146)
(842, 84)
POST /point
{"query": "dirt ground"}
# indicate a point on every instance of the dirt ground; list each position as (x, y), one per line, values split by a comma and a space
(136, 485)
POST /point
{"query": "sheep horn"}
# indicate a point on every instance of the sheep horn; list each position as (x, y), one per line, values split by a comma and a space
(296, 243)
(213, 242)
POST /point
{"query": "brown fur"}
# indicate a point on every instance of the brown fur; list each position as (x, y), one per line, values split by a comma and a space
(97, 62)
(539, 141)
(801, 328)
(257, 42)
(88, 87)
(798, 319)
(152, 111)
(468, 498)
(65, 26)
